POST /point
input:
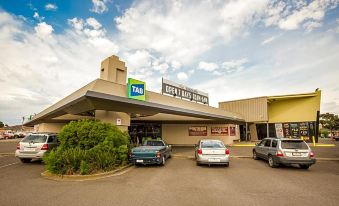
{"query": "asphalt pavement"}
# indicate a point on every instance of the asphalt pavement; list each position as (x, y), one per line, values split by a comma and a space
(179, 182)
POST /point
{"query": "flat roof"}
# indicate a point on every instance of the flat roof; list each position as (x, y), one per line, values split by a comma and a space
(105, 95)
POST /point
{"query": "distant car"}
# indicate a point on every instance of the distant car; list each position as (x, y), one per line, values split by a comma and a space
(35, 145)
(336, 138)
(152, 152)
(284, 151)
(8, 135)
(19, 134)
(209, 151)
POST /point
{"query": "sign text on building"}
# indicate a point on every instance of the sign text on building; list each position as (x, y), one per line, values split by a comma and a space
(136, 89)
(181, 91)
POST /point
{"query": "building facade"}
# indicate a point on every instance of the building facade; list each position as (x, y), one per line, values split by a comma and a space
(144, 114)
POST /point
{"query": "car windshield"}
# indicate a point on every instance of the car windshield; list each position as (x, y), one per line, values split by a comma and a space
(212, 144)
(288, 144)
(35, 138)
(153, 143)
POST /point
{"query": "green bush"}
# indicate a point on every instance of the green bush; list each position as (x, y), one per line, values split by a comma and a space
(88, 146)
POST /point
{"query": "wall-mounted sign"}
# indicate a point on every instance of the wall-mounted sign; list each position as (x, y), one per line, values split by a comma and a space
(232, 131)
(279, 130)
(197, 131)
(183, 92)
(136, 89)
(219, 131)
(294, 130)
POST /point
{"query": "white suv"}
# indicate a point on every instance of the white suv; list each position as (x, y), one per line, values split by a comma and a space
(34, 146)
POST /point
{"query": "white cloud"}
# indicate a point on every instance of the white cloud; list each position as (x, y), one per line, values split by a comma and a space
(93, 23)
(38, 17)
(234, 65)
(165, 25)
(207, 66)
(43, 30)
(292, 15)
(269, 40)
(99, 6)
(182, 76)
(51, 7)
(138, 59)
(37, 73)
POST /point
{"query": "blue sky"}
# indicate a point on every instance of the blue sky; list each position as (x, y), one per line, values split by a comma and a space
(229, 49)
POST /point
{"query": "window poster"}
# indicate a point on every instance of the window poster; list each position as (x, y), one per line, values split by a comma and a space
(232, 131)
(279, 130)
(294, 130)
(286, 129)
(219, 131)
(197, 131)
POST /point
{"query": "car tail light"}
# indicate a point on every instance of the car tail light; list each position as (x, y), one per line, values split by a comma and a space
(200, 151)
(44, 147)
(158, 154)
(227, 151)
(311, 154)
(279, 154)
(18, 146)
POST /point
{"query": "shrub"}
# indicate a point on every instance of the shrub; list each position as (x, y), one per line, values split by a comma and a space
(88, 146)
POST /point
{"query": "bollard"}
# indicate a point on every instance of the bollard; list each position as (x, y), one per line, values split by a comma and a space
(313, 140)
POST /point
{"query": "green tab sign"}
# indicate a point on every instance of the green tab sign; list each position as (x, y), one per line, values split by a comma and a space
(136, 89)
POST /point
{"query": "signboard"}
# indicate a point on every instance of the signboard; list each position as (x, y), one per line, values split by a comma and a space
(294, 130)
(219, 131)
(279, 130)
(232, 131)
(136, 89)
(183, 92)
(197, 131)
(118, 121)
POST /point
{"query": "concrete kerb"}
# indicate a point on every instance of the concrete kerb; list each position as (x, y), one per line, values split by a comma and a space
(81, 178)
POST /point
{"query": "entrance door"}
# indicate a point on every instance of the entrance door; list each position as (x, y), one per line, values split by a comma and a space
(242, 130)
(140, 131)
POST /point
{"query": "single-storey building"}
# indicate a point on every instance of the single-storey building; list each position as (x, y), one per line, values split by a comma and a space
(142, 113)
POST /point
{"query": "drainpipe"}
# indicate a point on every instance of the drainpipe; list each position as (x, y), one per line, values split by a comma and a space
(246, 132)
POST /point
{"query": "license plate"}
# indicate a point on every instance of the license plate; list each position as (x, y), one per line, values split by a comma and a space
(296, 154)
(29, 149)
(140, 161)
(214, 160)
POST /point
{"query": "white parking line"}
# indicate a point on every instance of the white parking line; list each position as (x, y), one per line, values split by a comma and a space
(8, 165)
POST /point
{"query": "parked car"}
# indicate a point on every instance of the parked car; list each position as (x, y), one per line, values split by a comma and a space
(284, 151)
(336, 138)
(152, 152)
(210, 151)
(35, 145)
(8, 135)
(19, 135)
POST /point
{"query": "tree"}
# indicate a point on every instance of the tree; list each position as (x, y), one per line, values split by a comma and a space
(1, 124)
(330, 121)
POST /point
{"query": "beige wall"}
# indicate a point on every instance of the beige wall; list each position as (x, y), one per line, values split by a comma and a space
(294, 109)
(112, 117)
(178, 134)
(253, 110)
(49, 127)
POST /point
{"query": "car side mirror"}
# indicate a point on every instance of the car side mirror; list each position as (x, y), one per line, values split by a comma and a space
(257, 143)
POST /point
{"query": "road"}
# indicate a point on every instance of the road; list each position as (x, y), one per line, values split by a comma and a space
(180, 182)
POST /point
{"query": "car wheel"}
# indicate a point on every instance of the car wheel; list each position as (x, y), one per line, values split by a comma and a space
(163, 161)
(271, 162)
(305, 167)
(255, 157)
(25, 160)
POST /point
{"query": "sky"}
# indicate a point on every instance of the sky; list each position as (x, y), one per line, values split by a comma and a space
(229, 49)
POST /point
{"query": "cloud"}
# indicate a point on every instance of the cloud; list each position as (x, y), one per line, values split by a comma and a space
(269, 40)
(208, 66)
(51, 7)
(234, 65)
(43, 30)
(37, 73)
(99, 6)
(38, 17)
(182, 76)
(93, 23)
(164, 25)
(291, 15)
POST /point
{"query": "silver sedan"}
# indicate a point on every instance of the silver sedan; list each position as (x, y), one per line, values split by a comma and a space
(210, 151)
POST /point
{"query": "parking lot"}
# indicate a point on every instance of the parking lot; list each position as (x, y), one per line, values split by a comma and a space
(179, 182)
